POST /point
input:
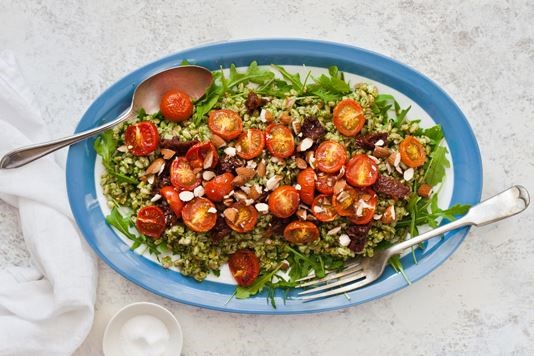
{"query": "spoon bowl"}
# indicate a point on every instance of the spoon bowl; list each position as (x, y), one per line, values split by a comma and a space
(193, 80)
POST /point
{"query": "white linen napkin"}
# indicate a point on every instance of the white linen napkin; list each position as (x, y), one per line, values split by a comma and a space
(46, 309)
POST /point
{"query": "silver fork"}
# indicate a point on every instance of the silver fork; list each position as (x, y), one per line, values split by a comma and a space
(367, 270)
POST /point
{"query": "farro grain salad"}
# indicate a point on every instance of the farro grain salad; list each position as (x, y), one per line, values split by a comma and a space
(272, 172)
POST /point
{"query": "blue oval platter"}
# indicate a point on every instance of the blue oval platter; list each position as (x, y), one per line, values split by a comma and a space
(82, 188)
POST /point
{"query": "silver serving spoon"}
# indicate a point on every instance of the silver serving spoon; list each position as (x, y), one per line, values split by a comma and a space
(193, 80)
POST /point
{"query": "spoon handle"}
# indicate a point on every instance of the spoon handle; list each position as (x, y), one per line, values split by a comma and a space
(22, 156)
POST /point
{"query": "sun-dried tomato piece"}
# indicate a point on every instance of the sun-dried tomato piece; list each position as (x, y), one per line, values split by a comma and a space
(391, 187)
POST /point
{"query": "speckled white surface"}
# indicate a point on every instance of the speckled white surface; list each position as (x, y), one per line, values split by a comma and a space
(481, 301)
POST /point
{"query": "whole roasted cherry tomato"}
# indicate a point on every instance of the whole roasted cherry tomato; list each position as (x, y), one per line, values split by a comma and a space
(284, 201)
(361, 171)
(330, 156)
(325, 183)
(279, 140)
(323, 209)
(366, 206)
(250, 144)
(150, 221)
(176, 105)
(225, 123)
(199, 215)
(202, 155)
(220, 186)
(242, 218)
(182, 175)
(301, 232)
(172, 197)
(306, 180)
(412, 152)
(348, 117)
(141, 138)
(244, 266)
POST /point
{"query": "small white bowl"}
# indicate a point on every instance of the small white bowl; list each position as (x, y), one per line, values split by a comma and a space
(112, 343)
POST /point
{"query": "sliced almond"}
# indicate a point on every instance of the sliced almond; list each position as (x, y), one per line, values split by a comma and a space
(262, 207)
(297, 126)
(228, 201)
(302, 214)
(248, 173)
(208, 175)
(261, 168)
(289, 102)
(217, 141)
(305, 144)
(208, 160)
(394, 159)
(408, 174)
(381, 152)
(167, 154)
(156, 167)
(230, 151)
(285, 118)
(273, 182)
(310, 158)
(301, 164)
(230, 214)
(341, 172)
(254, 193)
(389, 215)
(266, 115)
(186, 196)
(334, 231)
(240, 196)
(155, 198)
(122, 148)
(339, 186)
(150, 178)
(239, 181)
(198, 191)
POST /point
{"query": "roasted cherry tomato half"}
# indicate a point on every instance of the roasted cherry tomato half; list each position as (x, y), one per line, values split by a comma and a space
(323, 209)
(365, 206)
(284, 201)
(199, 215)
(241, 217)
(345, 201)
(150, 221)
(176, 105)
(412, 152)
(348, 117)
(325, 183)
(250, 144)
(225, 123)
(202, 155)
(172, 197)
(217, 188)
(361, 171)
(141, 138)
(279, 140)
(330, 156)
(301, 232)
(306, 180)
(245, 267)
(182, 175)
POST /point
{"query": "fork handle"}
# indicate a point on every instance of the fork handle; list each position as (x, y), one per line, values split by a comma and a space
(503, 205)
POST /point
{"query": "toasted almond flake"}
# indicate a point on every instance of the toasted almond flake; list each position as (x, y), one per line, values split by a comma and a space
(198, 191)
(228, 201)
(289, 102)
(212, 210)
(297, 126)
(129, 147)
(273, 182)
(310, 158)
(408, 174)
(240, 196)
(342, 196)
(246, 189)
(388, 168)
(186, 196)
(275, 159)
(150, 179)
(334, 231)
(341, 172)
(230, 151)
(155, 198)
(122, 148)
(379, 143)
(217, 141)
(263, 112)
(397, 159)
(398, 169)
(302, 214)
(261, 169)
(389, 215)
(229, 194)
(208, 161)
(156, 166)
(252, 164)
(377, 216)
(300, 134)
(262, 207)
(301, 164)
(167, 154)
(344, 240)
(248, 173)
(239, 181)
(230, 214)
(376, 160)
(339, 186)
(318, 209)
(249, 201)
(298, 187)
(305, 144)
(208, 175)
